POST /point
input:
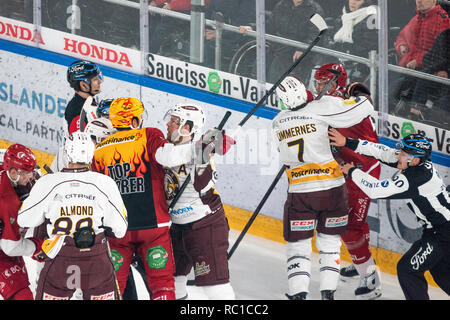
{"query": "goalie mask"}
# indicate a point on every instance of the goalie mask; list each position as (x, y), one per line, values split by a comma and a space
(99, 129)
(186, 113)
(292, 93)
(79, 148)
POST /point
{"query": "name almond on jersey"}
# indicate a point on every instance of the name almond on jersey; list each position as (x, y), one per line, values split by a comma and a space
(77, 211)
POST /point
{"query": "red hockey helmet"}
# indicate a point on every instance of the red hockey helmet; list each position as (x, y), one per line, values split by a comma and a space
(323, 74)
(19, 157)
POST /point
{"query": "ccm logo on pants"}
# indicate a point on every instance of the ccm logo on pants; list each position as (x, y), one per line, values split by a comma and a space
(336, 222)
(303, 225)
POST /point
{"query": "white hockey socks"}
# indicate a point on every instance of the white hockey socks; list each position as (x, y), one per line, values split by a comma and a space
(180, 287)
(220, 292)
(298, 265)
(365, 268)
(329, 260)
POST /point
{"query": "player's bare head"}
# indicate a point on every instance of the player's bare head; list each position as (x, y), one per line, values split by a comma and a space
(79, 148)
(292, 93)
(184, 120)
(126, 113)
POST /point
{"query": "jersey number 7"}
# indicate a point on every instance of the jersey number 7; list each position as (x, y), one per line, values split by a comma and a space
(301, 148)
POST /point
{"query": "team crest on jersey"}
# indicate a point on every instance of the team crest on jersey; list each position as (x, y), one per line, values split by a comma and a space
(171, 184)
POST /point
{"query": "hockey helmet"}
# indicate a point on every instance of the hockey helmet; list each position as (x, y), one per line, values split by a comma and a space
(123, 110)
(19, 157)
(187, 112)
(292, 93)
(79, 148)
(324, 75)
(103, 108)
(99, 129)
(82, 70)
(416, 145)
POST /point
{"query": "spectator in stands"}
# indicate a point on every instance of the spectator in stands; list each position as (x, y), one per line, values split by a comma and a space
(418, 36)
(356, 33)
(436, 61)
(167, 25)
(356, 29)
(290, 19)
(235, 12)
(413, 42)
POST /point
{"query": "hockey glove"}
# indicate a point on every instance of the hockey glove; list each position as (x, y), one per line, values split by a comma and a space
(38, 254)
(213, 141)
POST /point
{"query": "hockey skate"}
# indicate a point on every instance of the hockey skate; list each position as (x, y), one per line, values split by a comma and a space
(297, 296)
(369, 287)
(348, 273)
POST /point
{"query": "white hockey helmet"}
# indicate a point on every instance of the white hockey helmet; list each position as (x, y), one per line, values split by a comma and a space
(291, 93)
(99, 129)
(79, 148)
(187, 112)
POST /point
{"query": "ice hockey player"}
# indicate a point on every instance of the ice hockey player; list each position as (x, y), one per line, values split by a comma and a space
(421, 185)
(134, 157)
(317, 196)
(357, 237)
(82, 208)
(85, 78)
(18, 165)
(199, 228)
(99, 129)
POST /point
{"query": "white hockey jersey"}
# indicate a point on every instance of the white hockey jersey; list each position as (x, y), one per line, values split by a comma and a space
(302, 138)
(72, 200)
(198, 199)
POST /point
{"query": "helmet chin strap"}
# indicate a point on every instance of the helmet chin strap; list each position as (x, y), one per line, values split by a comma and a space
(14, 181)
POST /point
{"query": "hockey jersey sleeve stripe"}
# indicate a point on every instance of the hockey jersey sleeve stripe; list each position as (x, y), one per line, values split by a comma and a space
(443, 201)
(345, 111)
(119, 211)
(24, 222)
(376, 189)
(429, 209)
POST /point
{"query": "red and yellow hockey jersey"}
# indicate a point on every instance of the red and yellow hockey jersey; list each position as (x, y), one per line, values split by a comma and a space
(128, 157)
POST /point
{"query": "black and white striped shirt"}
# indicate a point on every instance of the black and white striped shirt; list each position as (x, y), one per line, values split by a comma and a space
(421, 186)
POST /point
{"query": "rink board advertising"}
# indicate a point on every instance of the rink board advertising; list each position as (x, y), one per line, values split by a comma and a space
(34, 93)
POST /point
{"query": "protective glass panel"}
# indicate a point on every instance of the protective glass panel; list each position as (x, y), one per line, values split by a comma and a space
(95, 19)
(419, 44)
(21, 10)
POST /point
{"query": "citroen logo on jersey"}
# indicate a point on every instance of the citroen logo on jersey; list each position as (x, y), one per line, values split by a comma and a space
(171, 184)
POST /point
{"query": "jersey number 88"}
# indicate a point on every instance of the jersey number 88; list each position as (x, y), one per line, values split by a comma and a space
(64, 225)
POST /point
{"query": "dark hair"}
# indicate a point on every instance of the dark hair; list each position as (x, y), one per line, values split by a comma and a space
(365, 4)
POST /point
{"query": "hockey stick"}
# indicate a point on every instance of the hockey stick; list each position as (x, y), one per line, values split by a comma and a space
(108, 248)
(188, 178)
(47, 168)
(253, 217)
(277, 177)
(320, 23)
(86, 105)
